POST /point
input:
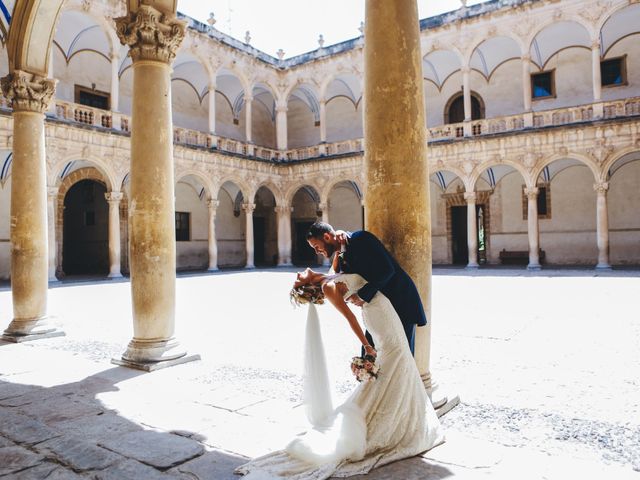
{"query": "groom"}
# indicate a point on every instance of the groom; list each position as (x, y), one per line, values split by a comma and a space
(365, 255)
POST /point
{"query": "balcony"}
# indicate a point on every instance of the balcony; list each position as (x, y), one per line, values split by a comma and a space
(102, 119)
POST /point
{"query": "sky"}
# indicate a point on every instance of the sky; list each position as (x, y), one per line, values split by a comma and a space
(294, 25)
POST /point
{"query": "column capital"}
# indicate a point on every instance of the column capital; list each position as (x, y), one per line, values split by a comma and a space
(28, 92)
(465, 70)
(213, 204)
(113, 197)
(114, 57)
(595, 45)
(526, 58)
(601, 187)
(531, 192)
(52, 192)
(212, 86)
(249, 207)
(150, 34)
(470, 197)
(323, 206)
(282, 209)
(248, 98)
(282, 108)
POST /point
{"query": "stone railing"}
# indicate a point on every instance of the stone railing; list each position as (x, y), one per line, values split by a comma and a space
(96, 117)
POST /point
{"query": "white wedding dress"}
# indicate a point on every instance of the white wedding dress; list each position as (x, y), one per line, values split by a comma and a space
(382, 421)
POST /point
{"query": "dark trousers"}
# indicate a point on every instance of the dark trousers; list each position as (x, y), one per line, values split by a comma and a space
(409, 331)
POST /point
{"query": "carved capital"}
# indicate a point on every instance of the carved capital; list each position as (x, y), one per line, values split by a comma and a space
(150, 34)
(249, 207)
(531, 192)
(28, 92)
(601, 187)
(466, 70)
(526, 58)
(323, 207)
(213, 204)
(595, 45)
(283, 209)
(52, 192)
(470, 197)
(113, 197)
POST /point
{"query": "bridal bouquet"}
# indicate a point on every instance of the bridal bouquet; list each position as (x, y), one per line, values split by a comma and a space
(365, 368)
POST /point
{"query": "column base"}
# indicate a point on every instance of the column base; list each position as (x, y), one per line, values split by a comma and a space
(149, 356)
(28, 330)
(249, 267)
(534, 267)
(285, 264)
(213, 269)
(449, 405)
(472, 266)
(115, 275)
(603, 266)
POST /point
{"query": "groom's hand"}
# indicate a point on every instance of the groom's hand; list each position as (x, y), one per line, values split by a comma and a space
(342, 237)
(356, 300)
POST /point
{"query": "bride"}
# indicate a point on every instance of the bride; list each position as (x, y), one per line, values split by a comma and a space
(382, 421)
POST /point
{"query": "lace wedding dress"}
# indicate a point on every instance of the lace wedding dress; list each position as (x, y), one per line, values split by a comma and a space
(382, 421)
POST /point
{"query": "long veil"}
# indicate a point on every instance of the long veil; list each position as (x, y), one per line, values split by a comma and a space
(337, 434)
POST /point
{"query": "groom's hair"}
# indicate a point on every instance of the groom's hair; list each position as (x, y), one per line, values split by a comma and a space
(318, 229)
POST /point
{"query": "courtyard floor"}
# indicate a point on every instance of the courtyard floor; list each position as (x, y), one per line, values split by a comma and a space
(546, 364)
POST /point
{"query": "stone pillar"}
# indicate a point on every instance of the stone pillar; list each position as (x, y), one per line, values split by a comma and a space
(602, 221)
(323, 121)
(52, 196)
(114, 198)
(281, 127)
(395, 149)
(213, 243)
(526, 82)
(248, 211)
(115, 83)
(30, 96)
(212, 109)
(324, 208)
(284, 235)
(532, 224)
(153, 38)
(248, 103)
(472, 229)
(466, 92)
(595, 71)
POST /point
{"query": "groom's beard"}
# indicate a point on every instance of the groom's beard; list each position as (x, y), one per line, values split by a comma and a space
(329, 250)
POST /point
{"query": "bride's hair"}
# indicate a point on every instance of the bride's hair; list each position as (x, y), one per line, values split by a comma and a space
(308, 293)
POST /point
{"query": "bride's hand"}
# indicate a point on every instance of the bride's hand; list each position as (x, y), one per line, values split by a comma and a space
(369, 350)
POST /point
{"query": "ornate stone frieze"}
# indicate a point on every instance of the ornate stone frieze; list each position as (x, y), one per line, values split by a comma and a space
(28, 92)
(150, 34)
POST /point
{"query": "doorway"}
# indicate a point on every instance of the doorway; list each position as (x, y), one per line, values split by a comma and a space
(303, 254)
(460, 249)
(85, 237)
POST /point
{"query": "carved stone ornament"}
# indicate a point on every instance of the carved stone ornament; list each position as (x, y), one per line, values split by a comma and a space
(28, 92)
(150, 34)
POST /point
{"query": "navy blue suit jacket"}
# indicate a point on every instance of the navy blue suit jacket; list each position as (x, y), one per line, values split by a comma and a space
(367, 256)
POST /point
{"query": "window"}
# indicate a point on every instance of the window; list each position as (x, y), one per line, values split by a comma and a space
(613, 72)
(544, 202)
(92, 97)
(182, 226)
(543, 85)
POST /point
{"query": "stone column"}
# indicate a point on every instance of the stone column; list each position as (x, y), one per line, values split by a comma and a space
(212, 109)
(324, 208)
(248, 103)
(472, 229)
(248, 211)
(114, 198)
(323, 121)
(396, 149)
(281, 127)
(30, 96)
(153, 38)
(213, 242)
(526, 82)
(466, 96)
(115, 83)
(52, 196)
(532, 224)
(602, 221)
(595, 71)
(284, 235)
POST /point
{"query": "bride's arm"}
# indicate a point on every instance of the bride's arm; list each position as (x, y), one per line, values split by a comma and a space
(332, 292)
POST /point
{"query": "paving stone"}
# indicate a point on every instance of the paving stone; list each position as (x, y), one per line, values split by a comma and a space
(9, 390)
(14, 459)
(5, 442)
(98, 427)
(213, 465)
(130, 469)
(60, 409)
(47, 471)
(160, 450)
(79, 454)
(22, 429)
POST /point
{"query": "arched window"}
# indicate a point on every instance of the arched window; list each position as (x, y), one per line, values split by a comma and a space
(454, 111)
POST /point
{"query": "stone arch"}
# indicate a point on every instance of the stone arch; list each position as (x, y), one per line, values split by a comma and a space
(588, 29)
(478, 110)
(559, 156)
(272, 187)
(324, 193)
(518, 40)
(612, 160)
(305, 202)
(230, 223)
(442, 179)
(292, 190)
(206, 183)
(483, 167)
